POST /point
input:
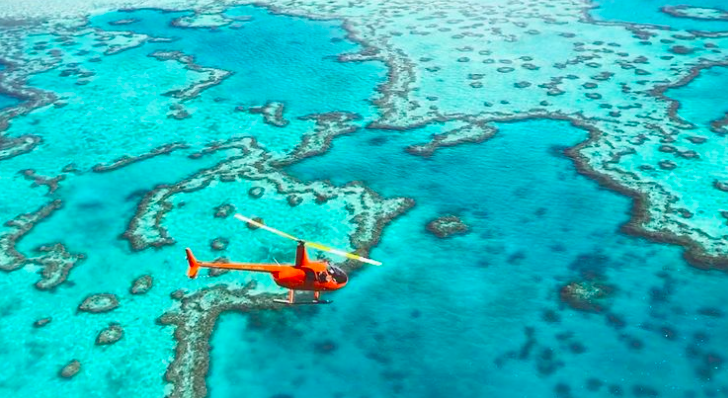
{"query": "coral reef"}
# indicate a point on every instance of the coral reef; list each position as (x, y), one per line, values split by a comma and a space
(446, 226)
(10, 258)
(194, 319)
(474, 132)
(224, 211)
(57, 262)
(272, 113)
(199, 20)
(586, 295)
(99, 303)
(50, 183)
(42, 322)
(253, 164)
(219, 244)
(70, 370)
(128, 160)
(110, 335)
(213, 76)
(699, 13)
(636, 119)
(142, 285)
(125, 21)
(327, 127)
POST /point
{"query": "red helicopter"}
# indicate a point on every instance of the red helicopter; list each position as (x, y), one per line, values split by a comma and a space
(307, 275)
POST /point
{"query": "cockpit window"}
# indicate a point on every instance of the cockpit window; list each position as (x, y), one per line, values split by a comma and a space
(338, 275)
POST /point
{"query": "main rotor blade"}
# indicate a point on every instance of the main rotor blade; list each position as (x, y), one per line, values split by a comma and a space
(342, 253)
(309, 244)
(265, 227)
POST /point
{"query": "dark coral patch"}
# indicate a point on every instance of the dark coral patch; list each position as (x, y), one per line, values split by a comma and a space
(42, 322)
(98, 303)
(141, 285)
(447, 226)
(325, 347)
(110, 335)
(70, 370)
(586, 295)
(224, 210)
(219, 244)
(256, 192)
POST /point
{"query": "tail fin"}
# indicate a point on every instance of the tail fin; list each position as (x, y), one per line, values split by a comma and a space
(194, 266)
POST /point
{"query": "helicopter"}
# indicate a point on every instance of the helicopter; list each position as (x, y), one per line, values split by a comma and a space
(304, 275)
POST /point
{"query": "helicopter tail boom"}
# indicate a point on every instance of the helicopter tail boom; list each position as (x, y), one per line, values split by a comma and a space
(194, 266)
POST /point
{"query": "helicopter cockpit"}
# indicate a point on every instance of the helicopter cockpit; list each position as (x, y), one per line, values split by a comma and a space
(337, 273)
(332, 273)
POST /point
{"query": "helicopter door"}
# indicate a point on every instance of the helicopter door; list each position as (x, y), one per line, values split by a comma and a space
(310, 277)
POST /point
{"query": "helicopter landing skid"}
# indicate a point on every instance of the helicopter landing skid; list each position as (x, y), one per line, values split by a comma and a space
(303, 302)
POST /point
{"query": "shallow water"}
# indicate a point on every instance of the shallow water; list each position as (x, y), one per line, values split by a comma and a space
(648, 12)
(700, 103)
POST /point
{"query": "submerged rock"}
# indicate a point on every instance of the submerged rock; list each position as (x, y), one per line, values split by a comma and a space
(256, 192)
(224, 211)
(110, 335)
(219, 244)
(253, 226)
(42, 322)
(446, 226)
(98, 303)
(141, 285)
(586, 295)
(70, 370)
(294, 200)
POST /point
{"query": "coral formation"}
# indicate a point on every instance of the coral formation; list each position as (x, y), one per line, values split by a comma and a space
(213, 76)
(99, 303)
(142, 285)
(446, 226)
(272, 113)
(57, 262)
(110, 335)
(586, 295)
(128, 160)
(70, 370)
(42, 322)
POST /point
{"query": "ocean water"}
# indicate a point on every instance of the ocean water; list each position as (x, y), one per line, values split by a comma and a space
(7, 101)
(122, 111)
(308, 58)
(478, 314)
(648, 12)
(699, 102)
(452, 316)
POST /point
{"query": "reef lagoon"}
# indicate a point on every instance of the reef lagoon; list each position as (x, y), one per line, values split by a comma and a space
(544, 181)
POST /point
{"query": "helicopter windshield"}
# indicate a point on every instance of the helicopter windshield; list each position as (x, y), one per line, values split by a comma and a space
(338, 275)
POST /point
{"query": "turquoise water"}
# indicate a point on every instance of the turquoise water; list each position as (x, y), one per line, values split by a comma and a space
(451, 316)
(700, 103)
(7, 101)
(478, 314)
(307, 58)
(122, 111)
(648, 12)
